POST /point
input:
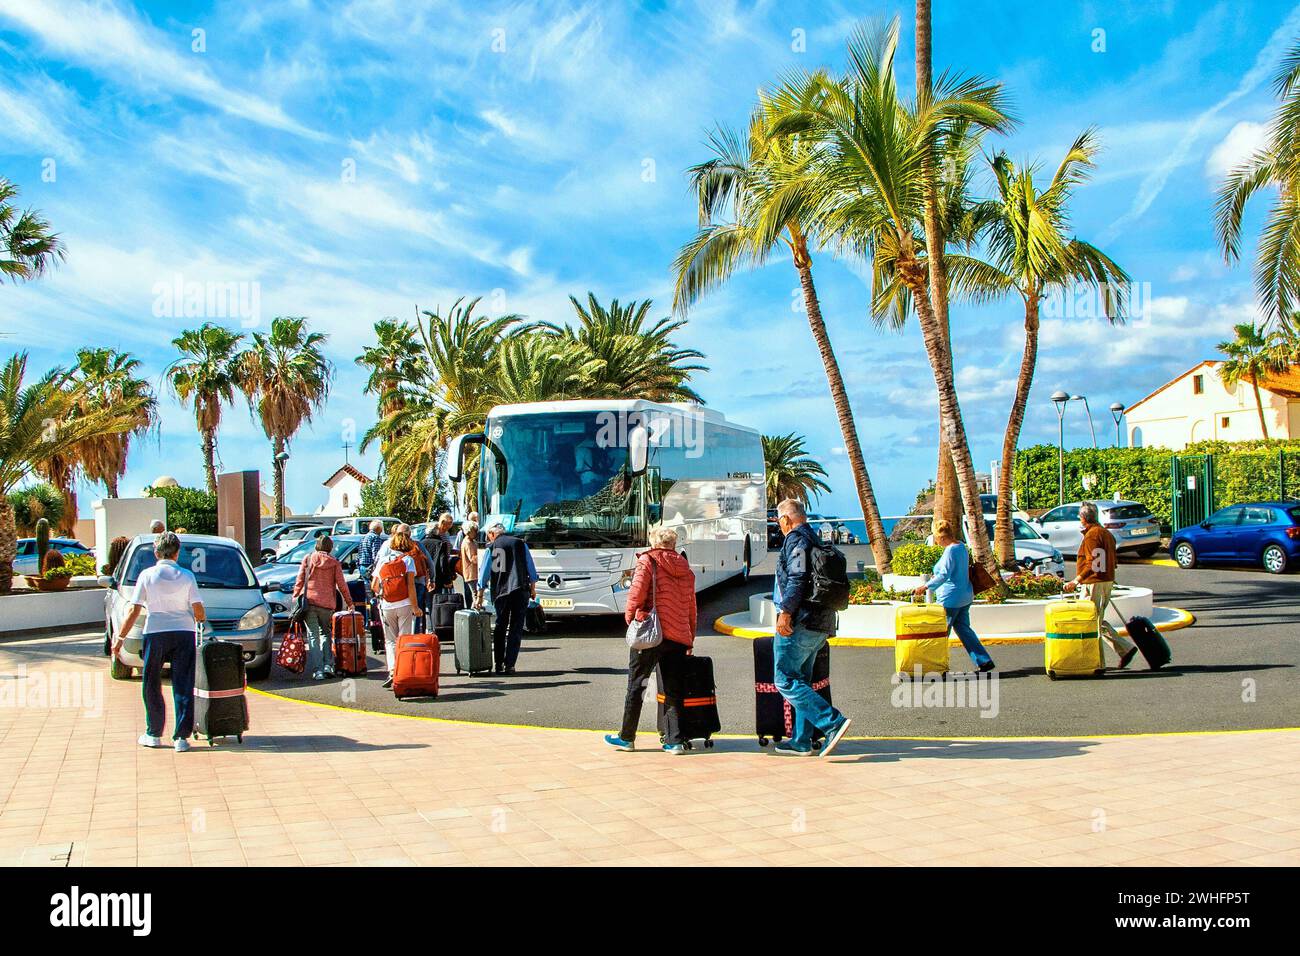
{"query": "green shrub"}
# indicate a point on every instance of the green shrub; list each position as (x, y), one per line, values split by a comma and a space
(78, 565)
(193, 509)
(916, 558)
(32, 504)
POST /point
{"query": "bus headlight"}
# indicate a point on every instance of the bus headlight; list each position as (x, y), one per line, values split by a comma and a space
(253, 619)
(625, 580)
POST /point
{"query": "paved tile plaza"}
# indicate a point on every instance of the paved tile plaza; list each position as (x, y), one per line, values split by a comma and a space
(317, 785)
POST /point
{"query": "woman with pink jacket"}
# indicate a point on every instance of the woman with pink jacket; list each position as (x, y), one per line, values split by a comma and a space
(320, 577)
(663, 580)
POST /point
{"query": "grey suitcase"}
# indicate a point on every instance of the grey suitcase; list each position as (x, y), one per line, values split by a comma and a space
(473, 641)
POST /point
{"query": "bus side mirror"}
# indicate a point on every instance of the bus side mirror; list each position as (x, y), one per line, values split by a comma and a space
(638, 444)
(456, 455)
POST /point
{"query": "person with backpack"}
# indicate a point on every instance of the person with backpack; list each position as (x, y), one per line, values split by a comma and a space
(952, 588)
(811, 584)
(394, 584)
(507, 573)
(664, 584)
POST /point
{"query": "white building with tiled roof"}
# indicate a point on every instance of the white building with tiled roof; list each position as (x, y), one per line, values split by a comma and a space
(1198, 406)
(344, 492)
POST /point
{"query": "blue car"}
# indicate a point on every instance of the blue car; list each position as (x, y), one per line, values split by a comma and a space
(1263, 533)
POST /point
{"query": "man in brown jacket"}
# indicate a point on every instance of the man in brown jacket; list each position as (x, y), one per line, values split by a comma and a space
(1094, 569)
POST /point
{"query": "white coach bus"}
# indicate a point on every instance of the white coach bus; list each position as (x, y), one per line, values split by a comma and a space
(583, 482)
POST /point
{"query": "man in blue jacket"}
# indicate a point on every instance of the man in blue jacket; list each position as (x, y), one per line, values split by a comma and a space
(507, 572)
(802, 628)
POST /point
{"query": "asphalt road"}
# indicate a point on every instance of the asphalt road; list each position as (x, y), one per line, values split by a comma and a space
(1238, 667)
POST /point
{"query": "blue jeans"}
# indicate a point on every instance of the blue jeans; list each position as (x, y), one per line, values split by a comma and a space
(795, 656)
(178, 648)
(959, 621)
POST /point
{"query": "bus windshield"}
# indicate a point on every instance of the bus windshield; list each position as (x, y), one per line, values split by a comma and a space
(554, 480)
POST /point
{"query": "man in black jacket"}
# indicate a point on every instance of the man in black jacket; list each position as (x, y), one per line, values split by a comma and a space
(506, 569)
(802, 628)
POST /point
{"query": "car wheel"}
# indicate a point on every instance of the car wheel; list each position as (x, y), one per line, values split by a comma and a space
(262, 671)
(118, 671)
(1274, 559)
(1185, 555)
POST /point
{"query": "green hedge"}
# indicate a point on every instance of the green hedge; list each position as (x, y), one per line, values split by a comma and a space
(1243, 471)
(916, 558)
(194, 509)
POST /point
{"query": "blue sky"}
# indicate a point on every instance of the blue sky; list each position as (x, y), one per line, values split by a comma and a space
(355, 159)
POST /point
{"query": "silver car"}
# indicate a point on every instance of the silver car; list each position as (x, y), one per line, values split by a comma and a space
(1033, 551)
(236, 609)
(1135, 528)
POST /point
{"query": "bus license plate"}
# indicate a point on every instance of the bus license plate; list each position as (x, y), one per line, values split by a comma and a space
(556, 602)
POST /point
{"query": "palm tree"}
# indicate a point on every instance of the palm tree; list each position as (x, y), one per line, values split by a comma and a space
(286, 378)
(544, 368)
(875, 157)
(450, 387)
(630, 359)
(39, 422)
(391, 362)
(206, 376)
(109, 380)
(1251, 356)
(1025, 231)
(790, 472)
(1277, 261)
(27, 246)
(756, 198)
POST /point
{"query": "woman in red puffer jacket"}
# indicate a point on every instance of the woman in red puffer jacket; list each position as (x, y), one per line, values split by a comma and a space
(663, 580)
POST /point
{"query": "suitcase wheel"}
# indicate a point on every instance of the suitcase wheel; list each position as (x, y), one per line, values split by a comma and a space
(210, 743)
(240, 738)
(1051, 675)
(762, 741)
(708, 744)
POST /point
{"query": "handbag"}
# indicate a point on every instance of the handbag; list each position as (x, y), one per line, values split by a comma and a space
(980, 579)
(643, 635)
(292, 655)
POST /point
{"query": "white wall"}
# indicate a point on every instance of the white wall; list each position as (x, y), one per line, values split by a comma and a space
(124, 516)
(1178, 416)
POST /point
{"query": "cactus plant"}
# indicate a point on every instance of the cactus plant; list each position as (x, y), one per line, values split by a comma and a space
(53, 559)
(42, 540)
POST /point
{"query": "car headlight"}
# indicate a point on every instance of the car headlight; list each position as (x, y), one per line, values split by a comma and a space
(255, 618)
(1056, 556)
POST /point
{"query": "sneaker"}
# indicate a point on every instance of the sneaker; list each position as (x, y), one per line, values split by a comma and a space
(147, 741)
(1128, 658)
(986, 667)
(789, 748)
(181, 745)
(618, 743)
(675, 749)
(329, 671)
(510, 670)
(388, 683)
(319, 675)
(835, 737)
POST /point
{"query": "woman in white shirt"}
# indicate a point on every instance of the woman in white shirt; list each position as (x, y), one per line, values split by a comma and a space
(170, 596)
(394, 584)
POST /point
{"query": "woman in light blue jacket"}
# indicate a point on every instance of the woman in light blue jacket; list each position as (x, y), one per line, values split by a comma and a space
(952, 588)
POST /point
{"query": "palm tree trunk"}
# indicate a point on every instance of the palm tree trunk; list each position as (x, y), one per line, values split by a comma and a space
(1004, 538)
(209, 456)
(277, 468)
(110, 483)
(8, 544)
(1259, 404)
(947, 498)
(914, 274)
(861, 479)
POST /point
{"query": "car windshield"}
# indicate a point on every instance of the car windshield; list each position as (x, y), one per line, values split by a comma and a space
(213, 565)
(1125, 512)
(299, 554)
(551, 480)
(1022, 530)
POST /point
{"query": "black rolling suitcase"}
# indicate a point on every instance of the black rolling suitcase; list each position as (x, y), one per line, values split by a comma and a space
(445, 604)
(220, 707)
(688, 702)
(773, 715)
(1150, 642)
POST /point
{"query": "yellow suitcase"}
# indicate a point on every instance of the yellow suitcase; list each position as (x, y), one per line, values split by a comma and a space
(1071, 644)
(920, 640)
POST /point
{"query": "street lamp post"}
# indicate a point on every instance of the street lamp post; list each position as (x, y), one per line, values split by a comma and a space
(1084, 399)
(1059, 399)
(1116, 412)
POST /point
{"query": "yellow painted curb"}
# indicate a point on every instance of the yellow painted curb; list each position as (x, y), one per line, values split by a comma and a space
(1154, 562)
(1185, 619)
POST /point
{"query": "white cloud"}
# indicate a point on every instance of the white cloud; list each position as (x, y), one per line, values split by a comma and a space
(1242, 142)
(127, 50)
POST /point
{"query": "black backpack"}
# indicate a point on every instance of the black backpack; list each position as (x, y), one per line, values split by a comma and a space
(442, 570)
(829, 577)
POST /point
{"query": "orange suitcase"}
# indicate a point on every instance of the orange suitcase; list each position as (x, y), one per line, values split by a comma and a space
(348, 632)
(418, 659)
